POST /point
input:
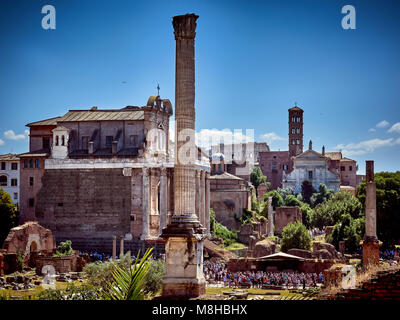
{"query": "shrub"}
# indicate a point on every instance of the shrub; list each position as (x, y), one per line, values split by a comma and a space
(100, 273)
(153, 280)
(64, 249)
(295, 235)
(277, 200)
(72, 292)
(220, 231)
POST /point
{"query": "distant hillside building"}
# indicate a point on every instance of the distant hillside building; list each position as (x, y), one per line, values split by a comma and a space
(10, 176)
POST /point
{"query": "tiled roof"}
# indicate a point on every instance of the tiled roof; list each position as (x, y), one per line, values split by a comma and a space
(47, 122)
(102, 115)
(347, 159)
(9, 157)
(224, 175)
(334, 155)
(37, 153)
(296, 109)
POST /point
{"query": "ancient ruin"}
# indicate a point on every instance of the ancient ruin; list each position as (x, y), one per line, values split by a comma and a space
(370, 242)
(184, 236)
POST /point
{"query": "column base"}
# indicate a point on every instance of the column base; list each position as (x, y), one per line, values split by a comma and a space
(178, 288)
(370, 250)
(183, 258)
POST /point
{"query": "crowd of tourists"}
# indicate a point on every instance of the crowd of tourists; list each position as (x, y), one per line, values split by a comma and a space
(217, 272)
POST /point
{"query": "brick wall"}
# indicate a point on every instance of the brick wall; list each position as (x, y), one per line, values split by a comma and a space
(284, 216)
(271, 164)
(87, 207)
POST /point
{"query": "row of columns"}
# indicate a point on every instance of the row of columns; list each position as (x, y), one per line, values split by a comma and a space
(202, 200)
(121, 247)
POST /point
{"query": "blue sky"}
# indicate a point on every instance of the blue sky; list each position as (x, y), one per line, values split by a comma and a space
(254, 59)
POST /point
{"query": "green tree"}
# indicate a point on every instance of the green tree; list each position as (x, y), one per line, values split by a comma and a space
(321, 196)
(8, 215)
(307, 191)
(64, 249)
(349, 230)
(153, 280)
(295, 236)
(306, 211)
(256, 177)
(128, 281)
(284, 192)
(277, 200)
(331, 211)
(387, 205)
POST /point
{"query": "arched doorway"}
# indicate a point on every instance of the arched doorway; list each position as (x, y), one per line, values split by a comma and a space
(33, 247)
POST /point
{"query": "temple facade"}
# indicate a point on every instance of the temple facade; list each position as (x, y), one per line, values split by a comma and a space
(97, 174)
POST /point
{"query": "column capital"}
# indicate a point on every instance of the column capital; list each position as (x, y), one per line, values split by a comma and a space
(163, 172)
(185, 26)
(145, 172)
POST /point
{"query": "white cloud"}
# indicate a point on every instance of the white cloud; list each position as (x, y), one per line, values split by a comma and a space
(382, 124)
(271, 136)
(368, 146)
(1, 142)
(372, 130)
(10, 134)
(395, 128)
(210, 137)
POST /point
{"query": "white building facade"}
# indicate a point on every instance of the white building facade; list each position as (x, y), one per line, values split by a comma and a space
(313, 166)
(9, 176)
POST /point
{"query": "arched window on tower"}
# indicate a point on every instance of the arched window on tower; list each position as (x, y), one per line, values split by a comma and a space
(56, 140)
(63, 140)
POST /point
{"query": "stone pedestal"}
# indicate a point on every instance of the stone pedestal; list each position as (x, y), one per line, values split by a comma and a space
(371, 247)
(184, 258)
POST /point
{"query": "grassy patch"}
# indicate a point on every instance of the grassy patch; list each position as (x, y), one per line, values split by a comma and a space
(34, 292)
(236, 246)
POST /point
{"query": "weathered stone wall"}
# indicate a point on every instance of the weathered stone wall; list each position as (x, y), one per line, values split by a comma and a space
(384, 285)
(85, 206)
(271, 164)
(284, 216)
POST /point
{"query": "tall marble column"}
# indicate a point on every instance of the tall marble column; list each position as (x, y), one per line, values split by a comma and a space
(202, 191)
(184, 235)
(370, 242)
(146, 204)
(163, 199)
(198, 195)
(121, 246)
(114, 247)
(207, 208)
(270, 218)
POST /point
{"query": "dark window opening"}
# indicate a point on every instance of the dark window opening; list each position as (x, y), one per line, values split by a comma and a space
(14, 166)
(63, 140)
(56, 140)
(37, 163)
(31, 163)
(109, 141)
(46, 143)
(342, 168)
(31, 181)
(14, 182)
(350, 168)
(3, 166)
(310, 175)
(60, 204)
(31, 202)
(26, 163)
(3, 181)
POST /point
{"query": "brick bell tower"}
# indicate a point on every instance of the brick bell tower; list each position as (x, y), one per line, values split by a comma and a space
(295, 131)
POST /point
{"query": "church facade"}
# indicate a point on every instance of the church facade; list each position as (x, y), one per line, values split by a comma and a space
(313, 166)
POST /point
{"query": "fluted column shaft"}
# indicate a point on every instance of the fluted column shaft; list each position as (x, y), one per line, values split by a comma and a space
(207, 203)
(202, 196)
(184, 172)
(163, 199)
(145, 204)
